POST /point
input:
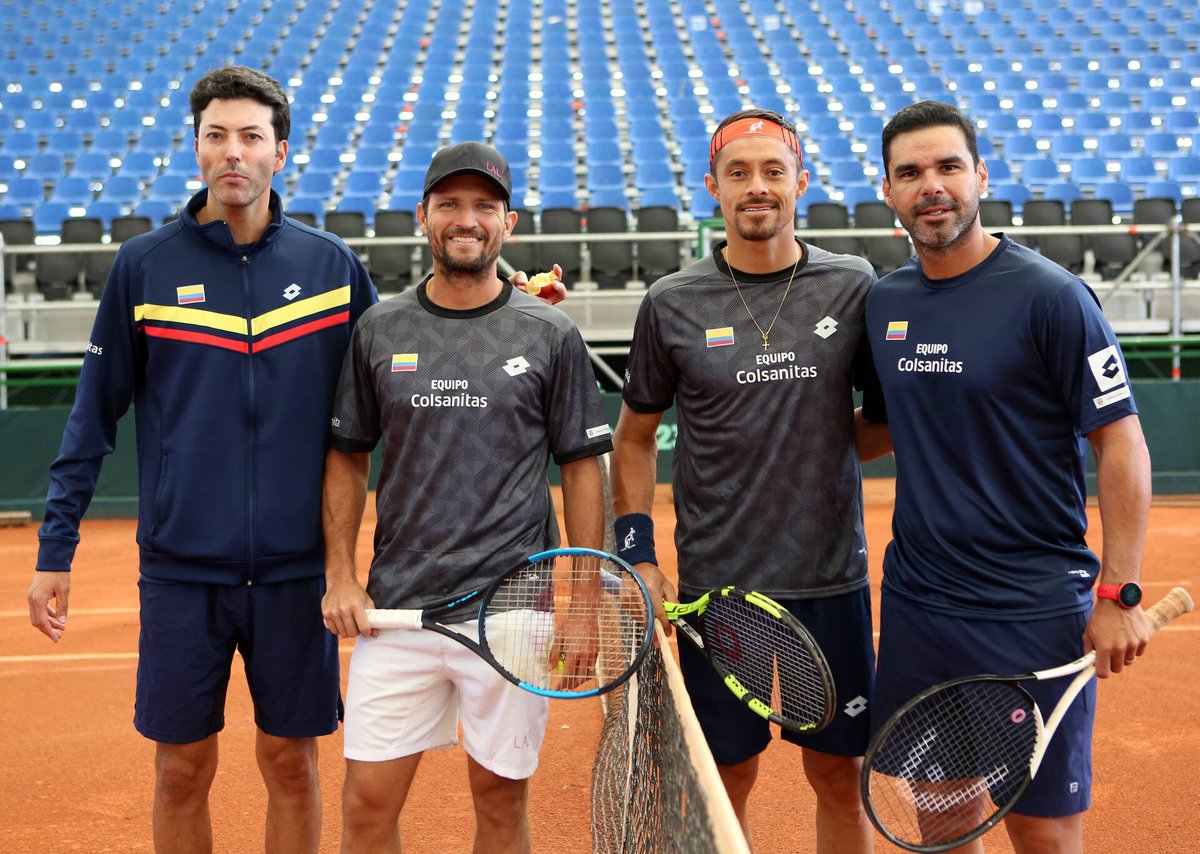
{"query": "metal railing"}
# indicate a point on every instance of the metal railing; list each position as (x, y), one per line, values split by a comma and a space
(605, 316)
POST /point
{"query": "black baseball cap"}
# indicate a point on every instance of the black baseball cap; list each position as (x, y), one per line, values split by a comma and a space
(473, 157)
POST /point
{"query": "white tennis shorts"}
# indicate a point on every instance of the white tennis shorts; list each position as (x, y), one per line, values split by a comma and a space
(408, 691)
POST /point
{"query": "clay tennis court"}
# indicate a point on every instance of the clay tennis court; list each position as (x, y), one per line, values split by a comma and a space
(79, 778)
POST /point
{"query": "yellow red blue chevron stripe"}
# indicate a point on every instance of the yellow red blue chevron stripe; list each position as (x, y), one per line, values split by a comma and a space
(200, 326)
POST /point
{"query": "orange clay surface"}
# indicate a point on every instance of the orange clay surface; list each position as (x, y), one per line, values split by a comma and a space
(77, 777)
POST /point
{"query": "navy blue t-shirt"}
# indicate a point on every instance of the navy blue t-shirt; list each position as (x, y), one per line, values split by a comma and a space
(991, 381)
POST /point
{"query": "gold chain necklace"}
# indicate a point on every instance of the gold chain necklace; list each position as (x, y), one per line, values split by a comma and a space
(766, 334)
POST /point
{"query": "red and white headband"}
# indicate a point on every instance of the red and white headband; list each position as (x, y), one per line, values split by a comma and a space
(753, 128)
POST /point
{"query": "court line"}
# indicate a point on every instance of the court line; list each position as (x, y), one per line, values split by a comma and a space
(343, 649)
(73, 657)
(110, 612)
(79, 612)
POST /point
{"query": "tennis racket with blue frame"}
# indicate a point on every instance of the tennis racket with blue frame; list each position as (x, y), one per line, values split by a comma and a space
(567, 623)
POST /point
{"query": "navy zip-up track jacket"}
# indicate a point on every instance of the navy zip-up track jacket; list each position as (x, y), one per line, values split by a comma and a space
(230, 356)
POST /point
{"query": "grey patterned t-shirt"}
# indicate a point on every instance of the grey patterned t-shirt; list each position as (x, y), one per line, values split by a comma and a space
(766, 478)
(469, 405)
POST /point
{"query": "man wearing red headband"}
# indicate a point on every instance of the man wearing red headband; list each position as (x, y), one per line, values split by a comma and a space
(759, 346)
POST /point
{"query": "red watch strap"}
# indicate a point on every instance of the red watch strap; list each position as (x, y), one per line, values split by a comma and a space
(1109, 591)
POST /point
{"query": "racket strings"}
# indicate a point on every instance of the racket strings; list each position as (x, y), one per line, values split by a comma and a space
(772, 661)
(580, 609)
(952, 762)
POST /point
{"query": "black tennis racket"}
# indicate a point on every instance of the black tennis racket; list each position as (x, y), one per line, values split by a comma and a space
(567, 623)
(952, 761)
(763, 653)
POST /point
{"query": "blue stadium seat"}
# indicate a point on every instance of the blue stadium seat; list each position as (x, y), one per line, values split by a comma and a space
(362, 204)
(562, 198)
(608, 198)
(1038, 171)
(1114, 144)
(1063, 191)
(1161, 145)
(25, 192)
(1138, 169)
(105, 211)
(1181, 122)
(1163, 190)
(1068, 146)
(853, 194)
(998, 170)
(1118, 193)
(45, 166)
(557, 178)
(363, 182)
(603, 176)
(48, 217)
(1015, 194)
(314, 205)
(1089, 170)
(659, 197)
(123, 189)
(1092, 124)
(171, 188)
(72, 190)
(1184, 169)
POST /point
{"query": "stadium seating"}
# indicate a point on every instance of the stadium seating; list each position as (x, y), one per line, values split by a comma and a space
(1076, 101)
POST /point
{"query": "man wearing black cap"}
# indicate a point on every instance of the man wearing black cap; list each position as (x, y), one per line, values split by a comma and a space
(470, 384)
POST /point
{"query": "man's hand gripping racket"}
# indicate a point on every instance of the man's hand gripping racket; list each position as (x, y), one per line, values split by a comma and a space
(567, 623)
(952, 761)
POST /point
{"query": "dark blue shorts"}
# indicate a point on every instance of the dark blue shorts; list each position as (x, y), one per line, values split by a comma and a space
(920, 648)
(841, 626)
(185, 651)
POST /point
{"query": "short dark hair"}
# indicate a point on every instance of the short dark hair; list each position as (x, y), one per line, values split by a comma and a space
(755, 113)
(238, 81)
(926, 114)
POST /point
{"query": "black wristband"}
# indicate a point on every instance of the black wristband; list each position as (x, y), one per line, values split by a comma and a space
(635, 538)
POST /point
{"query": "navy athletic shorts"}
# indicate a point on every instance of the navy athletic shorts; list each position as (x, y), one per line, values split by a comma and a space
(919, 648)
(841, 626)
(185, 651)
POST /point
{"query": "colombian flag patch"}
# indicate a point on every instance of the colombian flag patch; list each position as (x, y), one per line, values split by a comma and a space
(721, 337)
(404, 362)
(897, 330)
(189, 294)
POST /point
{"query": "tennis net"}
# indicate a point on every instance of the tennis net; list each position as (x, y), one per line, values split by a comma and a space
(655, 787)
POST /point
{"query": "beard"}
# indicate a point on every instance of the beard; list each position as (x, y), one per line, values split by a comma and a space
(465, 265)
(944, 236)
(760, 229)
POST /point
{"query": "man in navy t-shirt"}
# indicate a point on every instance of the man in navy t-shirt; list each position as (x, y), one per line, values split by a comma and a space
(997, 368)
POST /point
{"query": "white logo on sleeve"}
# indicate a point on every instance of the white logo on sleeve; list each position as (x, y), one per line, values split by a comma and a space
(1106, 368)
(597, 432)
(516, 367)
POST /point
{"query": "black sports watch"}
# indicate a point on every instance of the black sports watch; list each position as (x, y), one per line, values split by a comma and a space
(1127, 595)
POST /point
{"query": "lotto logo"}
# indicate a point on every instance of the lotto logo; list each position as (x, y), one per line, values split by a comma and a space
(826, 327)
(856, 706)
(516, 367)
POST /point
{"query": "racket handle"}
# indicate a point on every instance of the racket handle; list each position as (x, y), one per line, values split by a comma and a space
(1175, 604)
(394, 619)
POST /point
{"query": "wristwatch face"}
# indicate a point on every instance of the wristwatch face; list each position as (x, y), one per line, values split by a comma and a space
(1130, 594)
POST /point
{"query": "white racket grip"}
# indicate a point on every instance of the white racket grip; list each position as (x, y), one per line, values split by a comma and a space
(394, 619)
